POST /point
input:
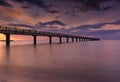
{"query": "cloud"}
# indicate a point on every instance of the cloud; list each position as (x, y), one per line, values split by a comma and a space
(95, 26)
(55, 24)
(52, 11)
(38, 3)
(21, 25)
(53, 6)
(96, 5)
(98, 30)
(83, 17)
(51, 23)
(5, 3)
(102, 30)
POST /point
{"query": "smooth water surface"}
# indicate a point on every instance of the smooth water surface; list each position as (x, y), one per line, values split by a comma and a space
(96, 61)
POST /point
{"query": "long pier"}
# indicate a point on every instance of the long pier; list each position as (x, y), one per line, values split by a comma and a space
(21, 31)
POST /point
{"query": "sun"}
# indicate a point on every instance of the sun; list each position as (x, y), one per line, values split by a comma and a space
(2, 37)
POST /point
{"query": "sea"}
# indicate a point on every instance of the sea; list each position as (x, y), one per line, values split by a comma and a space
(90, 61)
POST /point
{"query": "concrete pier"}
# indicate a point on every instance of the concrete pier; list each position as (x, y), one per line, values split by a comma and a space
(31, 32)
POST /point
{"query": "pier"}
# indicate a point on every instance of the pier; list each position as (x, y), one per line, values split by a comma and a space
(34, 33)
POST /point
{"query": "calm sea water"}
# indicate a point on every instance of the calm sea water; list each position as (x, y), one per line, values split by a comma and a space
(72, 62)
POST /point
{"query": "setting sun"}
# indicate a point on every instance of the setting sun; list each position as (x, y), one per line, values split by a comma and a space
(2, 37)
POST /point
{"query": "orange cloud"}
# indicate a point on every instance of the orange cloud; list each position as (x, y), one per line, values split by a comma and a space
(16, 14)
(111, 27)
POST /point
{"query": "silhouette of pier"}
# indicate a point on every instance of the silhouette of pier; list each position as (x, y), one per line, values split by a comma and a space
(20, 31)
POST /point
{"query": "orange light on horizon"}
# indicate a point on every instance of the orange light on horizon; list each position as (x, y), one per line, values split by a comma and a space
(21, 37)
(2, 37)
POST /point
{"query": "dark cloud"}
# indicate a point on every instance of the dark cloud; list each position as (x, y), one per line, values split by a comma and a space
(39, 3)
(21, 25)
(54, 22)
(42, 25)
(87, 27)
(5, 3)
(80, 5)
(52, 11)
(91, 5)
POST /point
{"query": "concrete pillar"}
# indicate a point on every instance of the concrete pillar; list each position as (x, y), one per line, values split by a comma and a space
(7, 39)
(67, 39)
(34, 38)
(60, 39)
(50, 40)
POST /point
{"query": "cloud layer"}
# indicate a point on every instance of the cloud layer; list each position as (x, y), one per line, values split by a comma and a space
(99, 18)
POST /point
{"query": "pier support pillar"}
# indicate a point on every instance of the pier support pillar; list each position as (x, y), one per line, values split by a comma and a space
(7, 39)
(67, 39)
(60, 39)
(34, 38)
(50, 40)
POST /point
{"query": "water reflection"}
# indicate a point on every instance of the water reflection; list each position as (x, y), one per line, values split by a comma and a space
(73, 62)
(7, 60)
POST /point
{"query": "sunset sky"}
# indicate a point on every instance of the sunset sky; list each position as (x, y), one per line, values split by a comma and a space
(97, 18)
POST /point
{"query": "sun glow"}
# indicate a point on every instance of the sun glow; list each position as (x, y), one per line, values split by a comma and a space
(2, 37)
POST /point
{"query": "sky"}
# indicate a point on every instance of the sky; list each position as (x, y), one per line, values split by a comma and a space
(94, 18)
